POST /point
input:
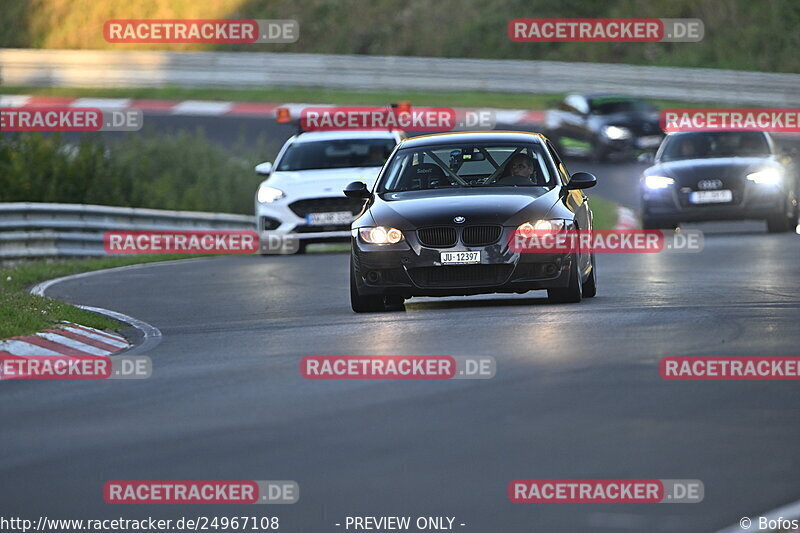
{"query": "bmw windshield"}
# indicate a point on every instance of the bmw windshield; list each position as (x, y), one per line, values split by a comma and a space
(469, 165)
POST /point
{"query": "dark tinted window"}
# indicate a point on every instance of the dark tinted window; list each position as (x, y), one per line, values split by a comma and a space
(716, 144)
(610, 105)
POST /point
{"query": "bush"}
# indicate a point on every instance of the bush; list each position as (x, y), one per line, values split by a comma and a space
(185, 172)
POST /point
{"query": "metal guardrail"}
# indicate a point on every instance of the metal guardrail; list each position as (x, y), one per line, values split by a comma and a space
(30, 230)
(98, 68)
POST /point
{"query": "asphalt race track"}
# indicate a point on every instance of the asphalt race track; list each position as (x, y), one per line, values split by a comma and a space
(577, 393)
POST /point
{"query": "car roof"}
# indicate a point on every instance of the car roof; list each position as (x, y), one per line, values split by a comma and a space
(343, 135)
(472, 137)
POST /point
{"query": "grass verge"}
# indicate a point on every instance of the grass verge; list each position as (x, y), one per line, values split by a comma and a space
(313, 95)
(604, 212)
(22, 313)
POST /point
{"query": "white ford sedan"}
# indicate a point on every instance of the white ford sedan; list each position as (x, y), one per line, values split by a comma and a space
(301, 194)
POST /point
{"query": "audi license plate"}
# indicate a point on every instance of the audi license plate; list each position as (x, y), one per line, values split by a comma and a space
(460, 258)
(329, 219)
(711, 197)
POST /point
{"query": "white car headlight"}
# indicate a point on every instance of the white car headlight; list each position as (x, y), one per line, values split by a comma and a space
(768, 176)
(269, 194)
(381, 235)
(616, 133)
(658, 182)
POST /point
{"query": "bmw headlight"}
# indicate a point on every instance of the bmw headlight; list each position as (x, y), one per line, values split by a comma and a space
(768, 176)
(658, 182)
(616, 133)
(269, 194)
(549, 226)
(380, 235)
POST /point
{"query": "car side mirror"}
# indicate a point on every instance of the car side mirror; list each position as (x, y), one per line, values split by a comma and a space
(581, 180)
(264, 169)
(357, 189)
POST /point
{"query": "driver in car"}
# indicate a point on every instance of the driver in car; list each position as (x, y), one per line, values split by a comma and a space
(521, 165)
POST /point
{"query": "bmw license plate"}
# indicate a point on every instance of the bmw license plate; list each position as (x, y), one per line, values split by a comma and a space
(329, 219)
(711, 197)
(460, 258)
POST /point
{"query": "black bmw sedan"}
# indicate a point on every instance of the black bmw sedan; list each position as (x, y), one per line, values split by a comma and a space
(441, 216)
(702, 176)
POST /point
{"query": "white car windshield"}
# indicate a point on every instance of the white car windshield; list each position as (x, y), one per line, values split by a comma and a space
(348, 153)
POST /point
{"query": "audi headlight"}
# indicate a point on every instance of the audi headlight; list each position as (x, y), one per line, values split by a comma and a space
(616, 133)
(549, 226)
(380, 235)
(269, 194)
(658, 182)
(768, 176)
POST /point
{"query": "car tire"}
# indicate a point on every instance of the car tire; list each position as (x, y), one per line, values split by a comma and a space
(589, 288)
(599, 154)
(779, 223)
(649, 223)
(394, 303)
(573, 292)
(364, 304)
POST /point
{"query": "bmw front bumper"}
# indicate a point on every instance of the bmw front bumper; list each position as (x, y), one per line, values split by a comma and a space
(409, 269)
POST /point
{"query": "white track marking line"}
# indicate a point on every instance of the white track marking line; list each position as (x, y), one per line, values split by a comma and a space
(626, 219)
(200, 107)
(13, 100)
(508, 116)
(18, 347)
(118, 342)
(102, 103)
(74, 344)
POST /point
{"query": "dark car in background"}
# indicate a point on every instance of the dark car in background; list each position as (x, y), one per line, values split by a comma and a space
(440, 220)
(599, 125)
(703, 176)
